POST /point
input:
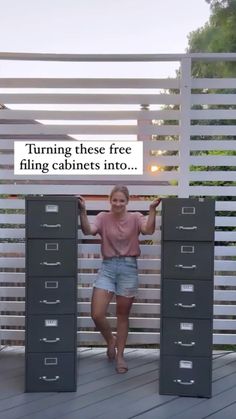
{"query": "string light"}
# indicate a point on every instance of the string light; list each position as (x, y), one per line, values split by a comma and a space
(154, 168)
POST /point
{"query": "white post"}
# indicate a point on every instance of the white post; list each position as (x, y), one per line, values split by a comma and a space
(185, 122)
(143, 121)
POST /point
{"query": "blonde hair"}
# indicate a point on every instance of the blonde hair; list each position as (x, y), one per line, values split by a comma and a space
(120, 188)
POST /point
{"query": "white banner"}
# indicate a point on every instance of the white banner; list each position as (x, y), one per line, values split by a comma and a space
(78, 157)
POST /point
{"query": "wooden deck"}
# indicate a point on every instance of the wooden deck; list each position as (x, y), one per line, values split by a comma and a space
(102, 393)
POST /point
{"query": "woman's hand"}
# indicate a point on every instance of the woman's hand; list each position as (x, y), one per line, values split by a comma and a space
(149, 226)
(155, 203)
(81, 203)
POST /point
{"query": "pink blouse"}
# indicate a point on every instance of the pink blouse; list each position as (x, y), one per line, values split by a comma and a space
(119, 235)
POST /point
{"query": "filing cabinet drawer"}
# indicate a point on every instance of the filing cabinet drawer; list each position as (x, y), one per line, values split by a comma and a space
(188, 219)
(188, 259)
(51, 296)
(186, 376)
(187, 298)
(191, 337)
(50, 372)
(50, 333)
(52, 218)
(51, 257)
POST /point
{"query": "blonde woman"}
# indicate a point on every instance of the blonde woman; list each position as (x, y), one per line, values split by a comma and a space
(119, 231)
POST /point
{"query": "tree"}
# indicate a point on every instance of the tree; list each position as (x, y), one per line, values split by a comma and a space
(217, 35)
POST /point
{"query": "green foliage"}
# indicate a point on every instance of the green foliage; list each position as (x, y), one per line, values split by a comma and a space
(217, 35)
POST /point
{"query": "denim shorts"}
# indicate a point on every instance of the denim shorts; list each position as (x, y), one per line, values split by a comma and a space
(119, 275)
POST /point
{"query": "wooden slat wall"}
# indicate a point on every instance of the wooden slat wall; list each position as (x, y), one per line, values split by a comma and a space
(169, 137)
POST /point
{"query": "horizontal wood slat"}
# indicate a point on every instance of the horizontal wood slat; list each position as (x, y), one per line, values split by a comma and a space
(53, 129)
(19, 233)
(144, 279)
(84, 189)
(214, 83)
(21, 129)
(146, 178)
(99, 203)
(213, 160)
(124, 58)
(212, 114)
(89, 99)
(19, 262)
(20, 219)
(213, 99)
(82, 115)
(92, 83)
(151, 264)
(213, 175)
(141, 338)
(213, 144)
(143, 293)
(213, 130)
(85, 249)
(137, 308)
(135, 323)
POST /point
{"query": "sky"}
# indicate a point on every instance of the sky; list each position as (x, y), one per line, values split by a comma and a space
(97, 27)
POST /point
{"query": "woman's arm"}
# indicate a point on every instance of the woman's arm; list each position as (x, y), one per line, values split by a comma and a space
(149, 226)
(86, 227)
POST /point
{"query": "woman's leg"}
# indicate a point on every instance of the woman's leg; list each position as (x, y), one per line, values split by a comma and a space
(123, 306)
(100, 302)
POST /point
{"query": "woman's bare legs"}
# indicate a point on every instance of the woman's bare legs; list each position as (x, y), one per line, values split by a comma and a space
(123, 306)
(100, 302)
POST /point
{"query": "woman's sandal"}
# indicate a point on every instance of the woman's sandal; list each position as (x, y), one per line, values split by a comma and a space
(111, 350)
(121, 366)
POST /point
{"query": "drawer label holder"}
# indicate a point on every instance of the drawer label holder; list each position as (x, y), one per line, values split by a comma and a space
(186, 326)
(50, 361)
(188, 210)
(51, 284)
(51, 323)
(51, 208)
(185, 364)
(187, 288)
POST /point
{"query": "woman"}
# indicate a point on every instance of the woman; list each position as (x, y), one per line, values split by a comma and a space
(119, 231)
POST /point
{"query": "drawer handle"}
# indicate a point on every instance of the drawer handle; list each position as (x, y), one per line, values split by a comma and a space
(50, 225)
(50, 340)
(185, 305)
(186, 266)
(184, 383)
(50, 263)
(44, 378)
(50, 302)
(186, 228)
(185, 344)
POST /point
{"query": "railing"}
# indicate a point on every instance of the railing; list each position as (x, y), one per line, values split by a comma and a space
(176, 118)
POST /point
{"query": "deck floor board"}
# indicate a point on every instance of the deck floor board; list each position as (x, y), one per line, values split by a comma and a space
(104, 394)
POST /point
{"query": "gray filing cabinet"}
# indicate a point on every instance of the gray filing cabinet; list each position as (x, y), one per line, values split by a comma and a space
(51, 293)
(187, 270)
